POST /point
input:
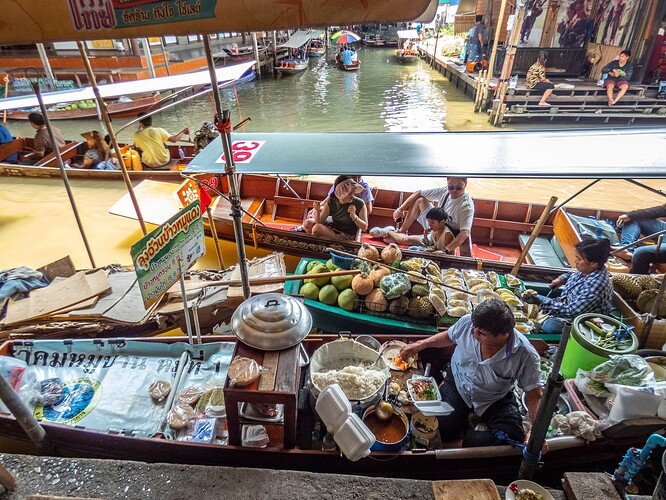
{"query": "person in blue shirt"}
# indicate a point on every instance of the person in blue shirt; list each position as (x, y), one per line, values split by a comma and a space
(5, 137)
(490, 358)
(586, 290)
(347, 55)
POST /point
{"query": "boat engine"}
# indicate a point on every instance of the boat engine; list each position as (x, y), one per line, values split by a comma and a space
(203, 136)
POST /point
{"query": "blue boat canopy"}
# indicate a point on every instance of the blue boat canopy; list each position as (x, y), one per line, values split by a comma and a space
(593, 154)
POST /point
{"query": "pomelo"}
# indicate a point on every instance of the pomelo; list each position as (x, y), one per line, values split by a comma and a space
(328, 295)
(348, 300)
(311, 265)
(330, 265)
(342, 282)
(321, 268)
(310, 291)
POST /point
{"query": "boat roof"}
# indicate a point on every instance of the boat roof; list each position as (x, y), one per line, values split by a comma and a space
(300, 38)
(225, 74)
(408, 34)
(593, 154)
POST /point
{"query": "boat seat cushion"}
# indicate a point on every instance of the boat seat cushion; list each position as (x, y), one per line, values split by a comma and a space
(541, 252)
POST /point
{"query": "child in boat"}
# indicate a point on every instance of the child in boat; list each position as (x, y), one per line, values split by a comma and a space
(348, 212)
(586, 290)
(97, 157)
(458, 205)
(435, 239)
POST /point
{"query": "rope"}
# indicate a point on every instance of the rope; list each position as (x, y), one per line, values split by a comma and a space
(221, 126)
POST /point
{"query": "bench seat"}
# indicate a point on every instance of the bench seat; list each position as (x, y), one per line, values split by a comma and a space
(542, 252)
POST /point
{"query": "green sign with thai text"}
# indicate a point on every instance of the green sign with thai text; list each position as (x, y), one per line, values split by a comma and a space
(161, 255)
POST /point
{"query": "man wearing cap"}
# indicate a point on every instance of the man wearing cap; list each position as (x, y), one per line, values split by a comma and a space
(43, 144)
(150, 140)
(491, 357)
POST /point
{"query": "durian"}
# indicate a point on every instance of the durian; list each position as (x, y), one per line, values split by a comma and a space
(646, 282)
(420, 290)
(399, 306)
(420, 307)
(644, 297)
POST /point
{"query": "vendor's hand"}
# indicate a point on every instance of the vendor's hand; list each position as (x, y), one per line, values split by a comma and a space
(532, 298)
(317, 206)
(186, 131)
(409, 351)
(622, 220)
(556, 282)
(397, 215)
(351, 210)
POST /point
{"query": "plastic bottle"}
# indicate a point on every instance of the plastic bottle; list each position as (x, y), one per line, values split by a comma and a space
(181, 153)
(513, 82)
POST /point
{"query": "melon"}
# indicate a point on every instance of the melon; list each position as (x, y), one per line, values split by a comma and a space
(375, 301)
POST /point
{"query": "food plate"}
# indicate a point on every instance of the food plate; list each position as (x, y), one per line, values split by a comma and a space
(250, 413)
(413, 388)
(389, 352)
(521, 484)
(434, 408)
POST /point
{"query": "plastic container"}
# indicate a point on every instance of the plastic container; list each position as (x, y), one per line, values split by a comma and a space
(581, 352)
(354, 438)
(333, 407)
(633, 403)
(420, 420)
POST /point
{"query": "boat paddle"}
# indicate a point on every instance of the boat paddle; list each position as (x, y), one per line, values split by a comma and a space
(425, 278)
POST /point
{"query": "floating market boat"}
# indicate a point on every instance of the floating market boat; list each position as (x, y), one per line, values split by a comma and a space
(292, 66)
(354, 66)
(407, 52)
(110, 412)
(316, 48)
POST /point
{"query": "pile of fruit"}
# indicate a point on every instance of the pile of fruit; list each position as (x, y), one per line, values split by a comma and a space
(641, 290)
(88, 104)
(415, 288)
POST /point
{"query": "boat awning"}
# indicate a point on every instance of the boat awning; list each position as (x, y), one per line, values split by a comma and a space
(225, 74)
(466, 8)
(298, 39)
(593, 154)
(408, 34)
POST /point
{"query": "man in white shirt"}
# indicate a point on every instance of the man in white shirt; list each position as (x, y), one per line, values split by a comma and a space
(458, 205)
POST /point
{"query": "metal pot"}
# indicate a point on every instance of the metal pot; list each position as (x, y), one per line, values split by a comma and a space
(271, 321)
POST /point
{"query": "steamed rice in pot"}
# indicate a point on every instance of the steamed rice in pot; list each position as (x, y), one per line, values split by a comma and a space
(355, 381)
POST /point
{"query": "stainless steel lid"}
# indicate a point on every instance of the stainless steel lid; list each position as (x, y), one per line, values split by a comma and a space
(271, 321)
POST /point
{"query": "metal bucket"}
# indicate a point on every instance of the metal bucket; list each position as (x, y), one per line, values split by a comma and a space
(398, 416)
(346, 352)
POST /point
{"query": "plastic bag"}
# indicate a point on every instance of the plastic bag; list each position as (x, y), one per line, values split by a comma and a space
(592, 227)
(626, 369)
(588, 386)
(395, 285)
(243, 371)
(254, 436)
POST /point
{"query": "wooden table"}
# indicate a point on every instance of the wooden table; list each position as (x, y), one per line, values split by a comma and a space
(278, 384)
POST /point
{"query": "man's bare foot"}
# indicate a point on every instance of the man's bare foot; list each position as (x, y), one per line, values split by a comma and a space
(611, 102)
(544, 104)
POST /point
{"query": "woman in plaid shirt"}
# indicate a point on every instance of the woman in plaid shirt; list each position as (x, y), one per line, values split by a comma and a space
(586, 290)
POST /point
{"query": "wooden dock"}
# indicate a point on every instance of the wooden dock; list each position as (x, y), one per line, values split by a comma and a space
(585, 102)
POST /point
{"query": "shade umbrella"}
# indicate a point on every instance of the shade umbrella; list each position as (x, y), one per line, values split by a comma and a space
(344, 36)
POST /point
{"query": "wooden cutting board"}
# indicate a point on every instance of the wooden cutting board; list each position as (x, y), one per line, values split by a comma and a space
(472, 489)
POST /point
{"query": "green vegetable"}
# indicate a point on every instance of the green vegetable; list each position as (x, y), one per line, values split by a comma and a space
(395, 285)
(429, 393)
(595, 328)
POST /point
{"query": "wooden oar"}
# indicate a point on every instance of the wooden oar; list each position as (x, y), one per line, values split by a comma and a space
(425, 278)
(535, 232)
(280, 279)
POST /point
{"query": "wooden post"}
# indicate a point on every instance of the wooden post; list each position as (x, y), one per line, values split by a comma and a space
(4, 113)
(535, 232)
(493, 52)
(255, 48)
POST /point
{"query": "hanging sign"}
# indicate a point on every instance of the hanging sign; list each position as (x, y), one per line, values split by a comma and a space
(157, 255)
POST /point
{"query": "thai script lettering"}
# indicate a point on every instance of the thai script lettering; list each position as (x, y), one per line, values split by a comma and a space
(92, 14)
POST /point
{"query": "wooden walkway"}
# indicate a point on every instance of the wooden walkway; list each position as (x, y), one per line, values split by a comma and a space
(585, 102)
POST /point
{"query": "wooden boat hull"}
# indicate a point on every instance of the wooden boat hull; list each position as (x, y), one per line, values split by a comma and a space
(291, 67)
(406, 58)
(500, 463)
(316, 51)
(116, 109)
(350, 67)
(8, 170)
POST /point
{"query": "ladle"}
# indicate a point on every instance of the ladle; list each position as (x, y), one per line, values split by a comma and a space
(384, 409)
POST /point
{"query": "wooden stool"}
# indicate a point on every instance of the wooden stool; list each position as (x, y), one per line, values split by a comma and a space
(278, 384)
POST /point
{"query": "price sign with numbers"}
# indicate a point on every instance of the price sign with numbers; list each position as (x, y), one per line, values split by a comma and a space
(243, 151)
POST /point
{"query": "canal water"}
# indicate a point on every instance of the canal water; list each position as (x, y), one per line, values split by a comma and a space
(36, 222)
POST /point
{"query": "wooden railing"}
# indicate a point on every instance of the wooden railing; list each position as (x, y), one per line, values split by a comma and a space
(568, 60)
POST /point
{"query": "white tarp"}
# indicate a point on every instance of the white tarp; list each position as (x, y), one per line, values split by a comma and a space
(227, 73)
(408, 34)
(105, 384)
(299, 39)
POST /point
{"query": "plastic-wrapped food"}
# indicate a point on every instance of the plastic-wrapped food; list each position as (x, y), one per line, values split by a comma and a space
(268, 410)
(512, 281)
(483, 285)
(484, 294)
(493, 277)
(243, 371)
(395, 285)
(627, 369)
(458, 303)
(457, 312)
(457, 282)
(254, 436)
(179, 416)
(451, 295)
(524, 328)
(189, 396)
(159, 390)
(212, 403)
(472, 274)
(438, 303)
(205, 430)
(450, 272)
(47, 392)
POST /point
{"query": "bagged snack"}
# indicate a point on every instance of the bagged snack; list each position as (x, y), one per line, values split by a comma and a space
(205, 430)
(159, 390)
(179, 416)
(189, 396)
(243, 371)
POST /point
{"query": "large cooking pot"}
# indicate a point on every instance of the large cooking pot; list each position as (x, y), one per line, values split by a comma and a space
(346, 352)
(271, 321)
(390, 435)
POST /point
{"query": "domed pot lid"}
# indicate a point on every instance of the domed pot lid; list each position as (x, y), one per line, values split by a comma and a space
(271, 321)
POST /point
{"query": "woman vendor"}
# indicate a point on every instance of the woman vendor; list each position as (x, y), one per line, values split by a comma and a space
(586, 290)
(348, 212)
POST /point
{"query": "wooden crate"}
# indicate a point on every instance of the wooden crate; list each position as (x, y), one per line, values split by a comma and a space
(655, 338)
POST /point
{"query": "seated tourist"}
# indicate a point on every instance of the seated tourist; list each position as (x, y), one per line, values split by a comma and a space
(97, 157)
(645, 256)
(536, 79)
(348, 212)
(457, 204)
(619, 73)
(436, 239)
(586, 290)
(636, 223)
(43, 146)
(490, 358)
